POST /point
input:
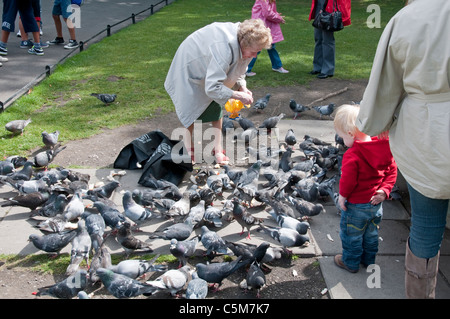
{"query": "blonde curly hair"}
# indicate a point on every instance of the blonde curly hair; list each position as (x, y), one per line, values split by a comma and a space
(253, 32)
(345, 118)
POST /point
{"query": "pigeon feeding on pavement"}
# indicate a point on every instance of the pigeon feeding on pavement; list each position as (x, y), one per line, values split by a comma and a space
(297, 108)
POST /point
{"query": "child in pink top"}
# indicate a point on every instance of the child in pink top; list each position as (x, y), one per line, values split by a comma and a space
(266, 10)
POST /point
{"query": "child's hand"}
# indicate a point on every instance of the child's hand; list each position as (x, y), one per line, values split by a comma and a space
(379, 196)
(341, 202)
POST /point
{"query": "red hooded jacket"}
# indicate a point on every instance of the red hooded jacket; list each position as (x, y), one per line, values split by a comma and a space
(366, 168)
(345, 6)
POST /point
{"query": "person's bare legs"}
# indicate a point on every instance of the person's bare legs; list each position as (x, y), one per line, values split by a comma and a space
(58, 26)
(218, 146)
(71, 28)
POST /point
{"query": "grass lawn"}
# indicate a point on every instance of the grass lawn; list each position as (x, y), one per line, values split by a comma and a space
(133, 64)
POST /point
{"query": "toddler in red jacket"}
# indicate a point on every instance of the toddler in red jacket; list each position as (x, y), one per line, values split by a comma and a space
(368, 174)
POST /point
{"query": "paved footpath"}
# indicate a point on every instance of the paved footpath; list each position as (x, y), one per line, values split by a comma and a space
(23, 70)
(386, 280)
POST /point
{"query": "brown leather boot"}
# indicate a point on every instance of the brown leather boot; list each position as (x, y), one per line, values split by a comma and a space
(420, 275)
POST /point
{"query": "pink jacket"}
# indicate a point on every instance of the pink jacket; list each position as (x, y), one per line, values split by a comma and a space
(267, 12)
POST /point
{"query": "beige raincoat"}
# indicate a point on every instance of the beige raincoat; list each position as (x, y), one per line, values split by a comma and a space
(409, 94)
(205, 67)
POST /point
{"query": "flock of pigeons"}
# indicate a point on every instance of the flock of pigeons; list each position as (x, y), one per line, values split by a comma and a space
(288, 191)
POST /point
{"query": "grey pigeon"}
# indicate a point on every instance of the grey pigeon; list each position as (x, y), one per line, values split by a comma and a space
(297, 108)
(249, 252)
(81, 246)
(133, 210)
(290, 222)
(307, 188)
(306, 208)
(245, 123)
(104, 97)
(83, 295)
(243, 217)
(305, 166)
(183, 249)
(290, 138)
(25, 173)
(233, 174)
(215, 273)
(105, 190)
(179, 231)
(136, 268)
(95, 226)
(121, 286)
(55, 175)
(197, 212)
(212, 242)
(169, 189)
(286, 160)
(171, 281)
(17, 126)
(325, 109)
(112, 216)
(271, 122)
(197, 288)
(285, 236)
(52, 207)
(53, 242)
(44, 158)
(145, 197)
(101, 259)
(180, 207)
(261, 103)
(315, 140)
(246, 135)
(74, 208)
(213, 216)
(227, 123)
(255, 278)
(31, 186)
(55, 224)
(129, 242)
(50, 139)
(67, 288)
(250, 175)
(6, 167)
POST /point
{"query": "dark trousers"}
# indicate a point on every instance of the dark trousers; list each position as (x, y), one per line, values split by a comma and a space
(324, 52)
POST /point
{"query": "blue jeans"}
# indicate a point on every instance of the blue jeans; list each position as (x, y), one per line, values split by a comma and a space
(428, 219)
(324, 52)
(274, 59)
(359, 234)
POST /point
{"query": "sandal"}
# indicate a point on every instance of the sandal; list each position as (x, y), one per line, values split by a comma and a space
(221, 158)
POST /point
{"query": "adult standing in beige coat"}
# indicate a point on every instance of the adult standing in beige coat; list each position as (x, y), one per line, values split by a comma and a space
(408, 95)
(209, 68)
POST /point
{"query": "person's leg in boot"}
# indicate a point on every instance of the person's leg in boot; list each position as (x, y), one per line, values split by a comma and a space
(428, 219)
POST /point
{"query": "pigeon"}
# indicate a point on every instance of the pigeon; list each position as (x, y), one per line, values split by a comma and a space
(271, 122)
(55, 175)
(53, 242)
(325, 109)
(170, 189)
(101, 259)
(250, 175)
(212, 242)
(105, 190)
(227, 123)
(297, 108)
(52, 207)
(104, 97)
(31, 186)
(95, 226)
(249, 252)
(255, 278)
(44, 158)
(315, 140)
(113, 218)
(196, 213)
(6, 167)
(83, 295)
(245, 123)
(213, 216)
(81, 246)
(305, 166)
(290, 222)
(74, 208)
(233, 174)
(67, 288)
(285, 236)
(145, 197)
(306, 208)
(25, 173)
(135, 268)
(171, 281)
(129, 242)
(50, 139)
(55, 224)
(286, 160)
(133, 210)
(121, 286)
(307, 188)
(290, 138)
(31, 200)
(243, 217)
(179, 231)
(208, 195)
(181, 207)
(17, 126)
(215, 273)
(261, 103)
(183, 249)
(197, 288)
(246, 135)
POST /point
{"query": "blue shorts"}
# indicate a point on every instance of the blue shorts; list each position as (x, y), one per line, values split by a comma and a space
(60, 8)
(24, 7)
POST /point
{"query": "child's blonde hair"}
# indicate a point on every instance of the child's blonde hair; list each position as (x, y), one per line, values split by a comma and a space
(345, 118)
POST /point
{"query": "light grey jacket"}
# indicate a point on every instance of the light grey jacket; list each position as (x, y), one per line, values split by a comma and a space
(207, 64)
(409, 94)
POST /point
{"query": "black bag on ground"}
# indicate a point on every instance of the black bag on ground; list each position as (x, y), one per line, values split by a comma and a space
(158, 155)
(327, 21)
